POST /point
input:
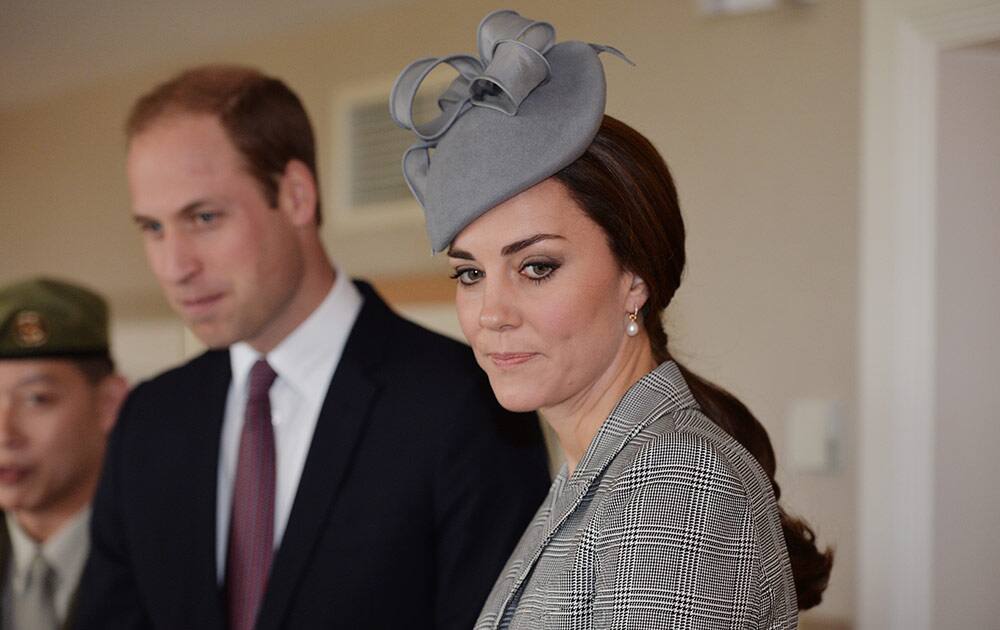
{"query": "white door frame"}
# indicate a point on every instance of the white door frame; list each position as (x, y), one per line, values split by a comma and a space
(902, 41)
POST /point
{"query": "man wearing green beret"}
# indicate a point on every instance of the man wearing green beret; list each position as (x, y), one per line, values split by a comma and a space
(59, 397)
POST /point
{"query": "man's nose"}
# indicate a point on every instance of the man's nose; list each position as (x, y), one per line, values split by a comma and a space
(176, 260)
(9, 433)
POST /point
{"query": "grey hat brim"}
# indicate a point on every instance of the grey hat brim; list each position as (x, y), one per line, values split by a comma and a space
(487, 156)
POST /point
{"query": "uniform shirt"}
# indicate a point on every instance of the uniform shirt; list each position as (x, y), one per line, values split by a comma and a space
(304, 362)
(65, 551)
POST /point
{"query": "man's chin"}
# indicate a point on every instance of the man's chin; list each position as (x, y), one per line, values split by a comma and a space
(211, 337)
(11, 501)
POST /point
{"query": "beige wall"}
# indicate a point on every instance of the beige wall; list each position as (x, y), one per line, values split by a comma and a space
(967, 504)
(757, 116)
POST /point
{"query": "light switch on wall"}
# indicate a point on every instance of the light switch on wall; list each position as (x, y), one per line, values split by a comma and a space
(813, 435)
(739, 7)
(732, 7)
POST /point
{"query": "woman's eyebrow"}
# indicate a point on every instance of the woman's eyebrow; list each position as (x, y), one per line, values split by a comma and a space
(507, 250)
(519, 245)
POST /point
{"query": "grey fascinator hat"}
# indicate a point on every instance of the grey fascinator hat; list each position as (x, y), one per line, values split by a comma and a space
(526, 108)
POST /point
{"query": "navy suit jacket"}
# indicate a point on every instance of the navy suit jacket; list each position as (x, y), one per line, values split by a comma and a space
(416, 487)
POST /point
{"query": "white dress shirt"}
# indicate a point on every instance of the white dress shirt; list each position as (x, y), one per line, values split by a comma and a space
(304, 362)
(65, 551)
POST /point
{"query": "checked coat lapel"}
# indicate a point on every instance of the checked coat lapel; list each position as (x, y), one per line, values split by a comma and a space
(662, 391)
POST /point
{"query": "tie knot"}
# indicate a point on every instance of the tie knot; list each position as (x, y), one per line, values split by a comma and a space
(41, 575)
(261, 378)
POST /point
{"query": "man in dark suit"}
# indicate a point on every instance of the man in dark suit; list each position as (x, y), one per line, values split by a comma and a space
(326, 464)
(59, 396)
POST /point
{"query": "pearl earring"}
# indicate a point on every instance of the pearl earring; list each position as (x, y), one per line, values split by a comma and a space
(632, 329)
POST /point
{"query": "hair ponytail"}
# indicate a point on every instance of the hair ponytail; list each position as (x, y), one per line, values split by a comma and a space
(810, 566)
(624, 186)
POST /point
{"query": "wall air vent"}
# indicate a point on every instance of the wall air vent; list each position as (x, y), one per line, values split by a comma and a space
(367, 184)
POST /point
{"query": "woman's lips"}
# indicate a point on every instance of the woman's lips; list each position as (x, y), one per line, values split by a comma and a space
(510, 359)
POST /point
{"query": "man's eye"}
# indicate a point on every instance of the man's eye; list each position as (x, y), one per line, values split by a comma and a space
(206, 217)
(150, 227)
(40, 399)
(468, 275)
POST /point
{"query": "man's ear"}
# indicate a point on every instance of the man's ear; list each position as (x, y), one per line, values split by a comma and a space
(112, 391)
(297, 196)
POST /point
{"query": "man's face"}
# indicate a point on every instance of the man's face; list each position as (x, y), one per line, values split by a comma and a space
(53, 428)
(229, 264)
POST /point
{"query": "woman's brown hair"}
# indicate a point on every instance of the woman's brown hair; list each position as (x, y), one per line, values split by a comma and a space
(624, 186)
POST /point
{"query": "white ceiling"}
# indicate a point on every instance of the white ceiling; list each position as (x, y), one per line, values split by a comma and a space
(48, 46)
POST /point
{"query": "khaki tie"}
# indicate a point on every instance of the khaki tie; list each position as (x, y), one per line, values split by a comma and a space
(35, 609)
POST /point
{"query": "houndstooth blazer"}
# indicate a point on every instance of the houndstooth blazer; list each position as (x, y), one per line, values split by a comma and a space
(667, 522)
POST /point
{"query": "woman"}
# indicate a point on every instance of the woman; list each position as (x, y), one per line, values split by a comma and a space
(564, 233)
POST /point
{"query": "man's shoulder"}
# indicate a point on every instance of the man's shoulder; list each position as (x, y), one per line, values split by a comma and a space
(429, 343)
(419, 355)
(407, 344)
(209, 364)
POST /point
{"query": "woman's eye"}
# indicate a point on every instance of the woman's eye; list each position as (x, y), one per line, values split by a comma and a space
(467, 276)
(538, 271)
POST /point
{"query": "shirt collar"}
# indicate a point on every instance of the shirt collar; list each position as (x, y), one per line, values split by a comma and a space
(65, 551)
(323, 334)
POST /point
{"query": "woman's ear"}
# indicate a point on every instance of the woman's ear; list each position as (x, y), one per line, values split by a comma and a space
(638, 293)
(297, 196)
(112, 391)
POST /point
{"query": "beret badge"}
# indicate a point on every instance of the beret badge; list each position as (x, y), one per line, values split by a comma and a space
(30, 330)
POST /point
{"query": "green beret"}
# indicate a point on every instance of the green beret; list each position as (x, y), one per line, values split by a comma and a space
(51, 318)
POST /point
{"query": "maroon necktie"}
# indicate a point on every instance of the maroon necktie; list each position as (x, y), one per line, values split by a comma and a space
(251, 529)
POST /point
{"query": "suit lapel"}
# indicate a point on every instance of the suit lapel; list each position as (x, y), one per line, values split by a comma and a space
(206, 409)
(341, 425)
